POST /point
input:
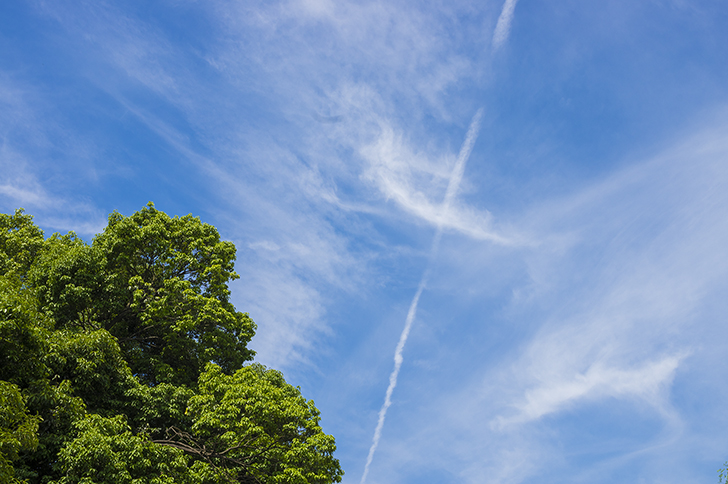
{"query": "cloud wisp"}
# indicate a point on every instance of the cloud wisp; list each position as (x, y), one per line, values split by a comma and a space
(452, 188)
(190, 99)
(400, 173)
(503, 27)
(599, 381)
(459, 170)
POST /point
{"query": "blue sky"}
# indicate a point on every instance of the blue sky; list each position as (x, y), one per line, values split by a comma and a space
(552, 175)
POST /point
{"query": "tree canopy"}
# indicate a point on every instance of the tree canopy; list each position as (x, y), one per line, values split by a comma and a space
(124, 361)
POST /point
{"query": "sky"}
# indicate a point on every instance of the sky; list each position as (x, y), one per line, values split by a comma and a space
(488, 239)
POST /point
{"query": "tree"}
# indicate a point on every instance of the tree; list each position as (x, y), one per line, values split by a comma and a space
(252, 425)
(126, 363)
(106, 450)
(20, 241)
(18, 429)
(158, 284)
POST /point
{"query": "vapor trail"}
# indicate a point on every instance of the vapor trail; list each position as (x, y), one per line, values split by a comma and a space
(452, 187)
(503, 27)
(457, 172)
(393, 377)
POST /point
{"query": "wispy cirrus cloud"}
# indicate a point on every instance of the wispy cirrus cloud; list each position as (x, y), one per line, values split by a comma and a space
(410, 180)
(607, 334)
(29, 134)
(647, 382)
(645, 287)
(321, 137)
(380, 45)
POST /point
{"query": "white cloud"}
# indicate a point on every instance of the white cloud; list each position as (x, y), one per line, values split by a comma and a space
(305, 64)
(626, 298)
(28, 134)
(18, 185)
(337, 103)
(452, 188)
(111, 36)
(646, 382)
(503, 27)
(288, 312)
(412, 180)
(647, 254)
(24, 196)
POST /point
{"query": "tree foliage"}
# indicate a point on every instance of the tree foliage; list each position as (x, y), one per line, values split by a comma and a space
(18, 429)
(20, 241)
(123, 361)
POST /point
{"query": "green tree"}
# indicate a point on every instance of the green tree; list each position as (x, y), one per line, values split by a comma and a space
(156, 283)
(106, 450)
(24, 332)
(125, 362)
(252, 426)
(25, 347)
(18, 429)
(20, 241)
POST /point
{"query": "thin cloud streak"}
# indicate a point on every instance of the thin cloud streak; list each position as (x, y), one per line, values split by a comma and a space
(598, 381)
(457, 173)
(503, 27)
(452, 188)
(393, 376)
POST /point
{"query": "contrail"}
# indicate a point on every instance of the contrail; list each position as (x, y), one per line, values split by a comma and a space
(452, 188)
(457, 172)
(503, 27)
(393, 376)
